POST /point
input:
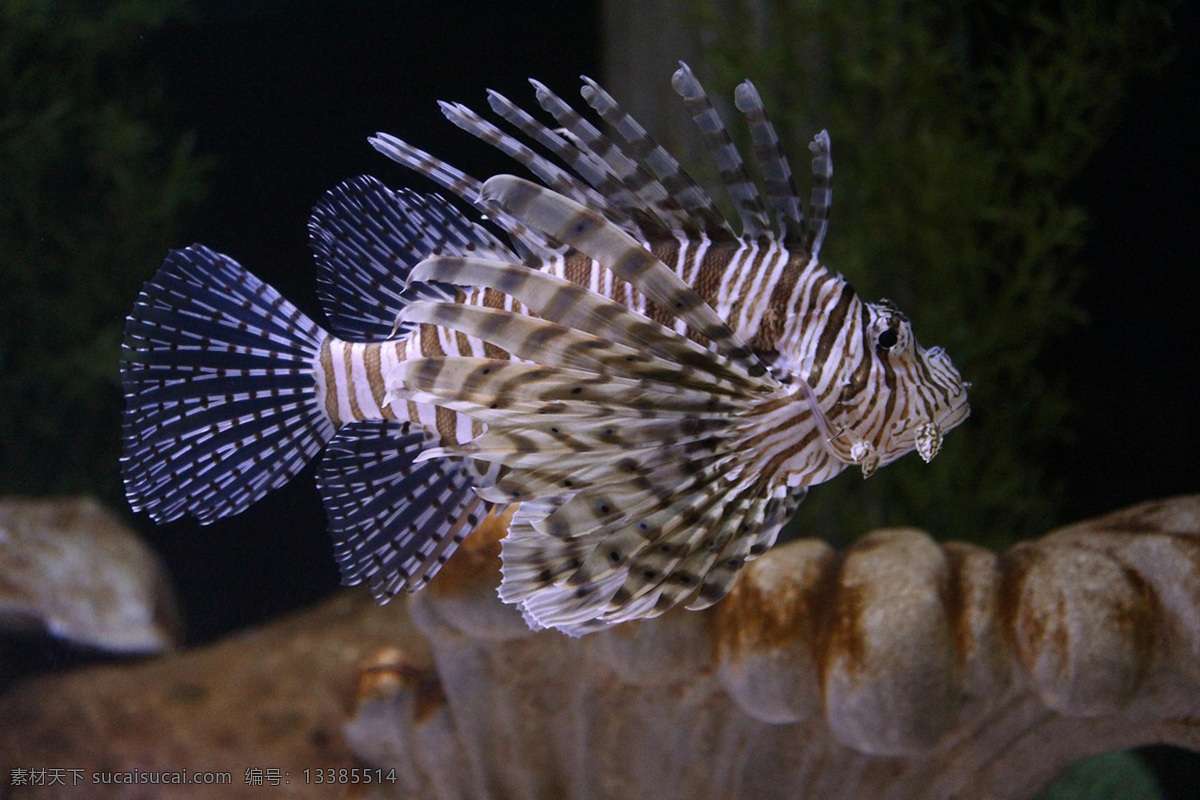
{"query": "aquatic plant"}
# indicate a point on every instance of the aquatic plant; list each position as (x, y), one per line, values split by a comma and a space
(92, 185)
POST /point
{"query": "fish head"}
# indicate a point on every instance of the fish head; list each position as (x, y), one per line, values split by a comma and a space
(902, 397)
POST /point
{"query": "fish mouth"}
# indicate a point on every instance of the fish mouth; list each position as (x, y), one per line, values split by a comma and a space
(849, 451)
(907, 434)
(956, 414)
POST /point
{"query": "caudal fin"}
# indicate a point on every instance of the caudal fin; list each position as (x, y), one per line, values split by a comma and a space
(221, 401)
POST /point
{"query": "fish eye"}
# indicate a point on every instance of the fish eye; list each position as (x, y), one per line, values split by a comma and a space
(890, 330)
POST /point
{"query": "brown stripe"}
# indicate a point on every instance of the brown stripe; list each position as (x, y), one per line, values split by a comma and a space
(669, 253)
(331, 405)
(578, 268)
(889, 381)
(780, 457)
(802, 419)
(446, 423)
(869, 413)
(430, 346)
(373, 362)
(770, 328)
(806, 309)
(858, 378)
(348, 364)
(714, 270)
(752, 269)
(492, 351)
(665, 318)
(492, 298)
(929, 381)
(831, 331)
(463, 344)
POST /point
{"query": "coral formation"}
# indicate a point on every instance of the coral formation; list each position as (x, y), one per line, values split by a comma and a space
(898, 668)
(70, 568)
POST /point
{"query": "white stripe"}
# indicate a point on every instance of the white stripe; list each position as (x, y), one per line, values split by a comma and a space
(427, 416)
(739, 267)
(360, 384)
(391, 355)
(756, 300)
(697, 258)
(446, 341)
(463, 428)
(337, 351)
(605, 279)
(796, 334)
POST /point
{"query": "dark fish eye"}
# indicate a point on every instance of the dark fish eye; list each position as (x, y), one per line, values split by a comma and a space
(888, 339)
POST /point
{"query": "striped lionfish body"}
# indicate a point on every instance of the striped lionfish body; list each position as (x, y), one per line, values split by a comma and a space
(655, 390)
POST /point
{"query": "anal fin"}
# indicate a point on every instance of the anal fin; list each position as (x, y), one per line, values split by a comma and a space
(394, 521)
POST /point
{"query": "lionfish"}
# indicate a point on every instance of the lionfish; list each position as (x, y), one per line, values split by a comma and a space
(656, 390)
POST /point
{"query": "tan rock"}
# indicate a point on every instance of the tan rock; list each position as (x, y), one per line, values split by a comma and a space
(901, 668)
(70, 567)
(270, 699)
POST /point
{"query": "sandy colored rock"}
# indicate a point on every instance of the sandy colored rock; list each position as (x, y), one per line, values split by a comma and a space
(900, 668)
(274, 698)
(767, 639)
(71, 568)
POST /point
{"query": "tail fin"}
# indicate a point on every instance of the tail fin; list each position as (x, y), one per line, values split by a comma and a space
(221, 398)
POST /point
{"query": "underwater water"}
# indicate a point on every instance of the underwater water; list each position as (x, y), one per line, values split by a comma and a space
(284, 96)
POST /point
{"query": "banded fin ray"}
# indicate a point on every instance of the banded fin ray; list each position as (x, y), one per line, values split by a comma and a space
(569, 471)
(609, 180)
(650, 547)
(779, 184)
(649, 196)
(545, 341)
(591, 234)
(366, 238)
(688, 547)
(394, 522)
(638, 208)
(738, 183)
(490, 381)
(658, 479)
(528, 243)
(533, 446)
(822, 192)
(763, 521)
(674, 178)
(640, 182)
(221, 403)
(590, 535)
(571, 305)
(617, 573)
(546, 171)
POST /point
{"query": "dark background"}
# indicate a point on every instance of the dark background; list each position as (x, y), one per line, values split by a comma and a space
(1134, 368)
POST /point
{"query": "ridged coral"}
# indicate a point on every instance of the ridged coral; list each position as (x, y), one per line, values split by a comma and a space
(899, 668)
